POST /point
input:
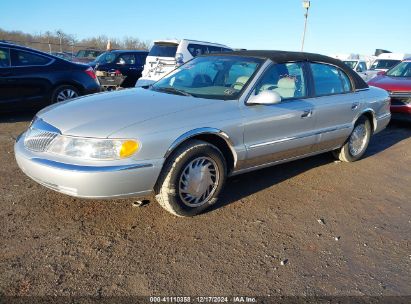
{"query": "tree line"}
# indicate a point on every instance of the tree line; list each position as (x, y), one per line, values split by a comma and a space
(59, 41)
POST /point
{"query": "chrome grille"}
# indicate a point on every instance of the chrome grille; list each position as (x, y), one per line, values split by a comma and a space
(38, 140)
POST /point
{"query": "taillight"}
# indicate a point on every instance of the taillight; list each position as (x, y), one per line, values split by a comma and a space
(90, 72)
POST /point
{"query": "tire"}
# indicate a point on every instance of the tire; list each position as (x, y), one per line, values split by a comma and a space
(63, 93)
(195, 167)
(357, 143)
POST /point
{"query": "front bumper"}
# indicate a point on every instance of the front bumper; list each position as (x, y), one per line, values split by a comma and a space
(89, 181)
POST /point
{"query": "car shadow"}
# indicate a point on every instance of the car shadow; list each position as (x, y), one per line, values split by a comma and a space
(17, 117)
(241, 186)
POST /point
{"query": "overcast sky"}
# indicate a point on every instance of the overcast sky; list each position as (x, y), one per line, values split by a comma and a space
(334, 26)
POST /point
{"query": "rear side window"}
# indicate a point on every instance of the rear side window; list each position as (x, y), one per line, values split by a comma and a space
(197, 49)
(329, 80)
(4, 58)
(163, 50)
(126, 59)
(22, 58)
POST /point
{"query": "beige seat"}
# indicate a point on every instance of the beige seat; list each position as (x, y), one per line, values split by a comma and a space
(240, 82)
(286, 87)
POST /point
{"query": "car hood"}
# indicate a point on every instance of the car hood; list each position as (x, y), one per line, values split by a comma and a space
(391, 83)
(102, 114)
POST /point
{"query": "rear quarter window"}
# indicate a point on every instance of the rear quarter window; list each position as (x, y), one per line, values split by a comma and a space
(23, 58)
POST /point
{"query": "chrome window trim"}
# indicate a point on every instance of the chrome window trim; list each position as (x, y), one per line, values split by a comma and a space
(88, 169)
(308, 134)
(52, 60)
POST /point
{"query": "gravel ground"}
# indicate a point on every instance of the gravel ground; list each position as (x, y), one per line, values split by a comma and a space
(339, 229)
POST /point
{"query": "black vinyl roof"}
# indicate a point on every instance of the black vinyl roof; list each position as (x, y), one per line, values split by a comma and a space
(285, 56)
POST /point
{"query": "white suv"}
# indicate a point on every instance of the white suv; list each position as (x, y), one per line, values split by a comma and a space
(166, 55)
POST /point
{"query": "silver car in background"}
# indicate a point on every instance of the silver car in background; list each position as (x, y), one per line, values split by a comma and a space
(214, 117)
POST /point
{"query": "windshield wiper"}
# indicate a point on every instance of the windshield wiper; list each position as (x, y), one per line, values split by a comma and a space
(172, 90)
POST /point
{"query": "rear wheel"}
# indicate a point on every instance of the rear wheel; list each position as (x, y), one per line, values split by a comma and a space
(63, 93)
(191, 179)
(357, 143)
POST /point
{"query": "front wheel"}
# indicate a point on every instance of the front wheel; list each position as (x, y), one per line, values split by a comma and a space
(191, 179)
(357, 143)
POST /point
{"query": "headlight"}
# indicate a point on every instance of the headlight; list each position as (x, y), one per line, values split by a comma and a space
(93, 148)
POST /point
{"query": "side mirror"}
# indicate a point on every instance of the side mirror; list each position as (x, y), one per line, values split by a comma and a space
(381, 73)
(265, 98)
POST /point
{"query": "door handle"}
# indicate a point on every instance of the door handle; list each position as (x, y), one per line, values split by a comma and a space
(307, 113)
(355, 105)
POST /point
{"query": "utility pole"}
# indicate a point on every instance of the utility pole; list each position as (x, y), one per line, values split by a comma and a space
(60, 34)
(306, 6)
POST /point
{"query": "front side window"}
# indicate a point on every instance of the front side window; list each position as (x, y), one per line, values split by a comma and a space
(286, 79)
(401, 70)
(22, 58)
(4, 58)
(197, 49)
(213, 77)
(329, 80)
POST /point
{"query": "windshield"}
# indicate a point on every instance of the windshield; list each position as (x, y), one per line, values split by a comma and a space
(106, 57)
(213, 77)
(163, 50)
(384, 64)
(402, 69)
(87, 54)
(350, 63)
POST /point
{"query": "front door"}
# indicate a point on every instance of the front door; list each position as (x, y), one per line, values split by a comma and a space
(284, 130)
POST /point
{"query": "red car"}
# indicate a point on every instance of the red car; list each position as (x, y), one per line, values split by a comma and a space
(397, 81)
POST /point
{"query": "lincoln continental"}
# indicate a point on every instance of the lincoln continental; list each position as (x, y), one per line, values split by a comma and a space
(214, 117)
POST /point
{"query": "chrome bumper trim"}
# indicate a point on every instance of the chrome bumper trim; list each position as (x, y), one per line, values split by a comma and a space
(88, 169)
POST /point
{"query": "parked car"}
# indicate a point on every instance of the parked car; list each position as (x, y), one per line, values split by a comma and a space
(86, 56)
(397, 81)
(383, 63)
(357, 65)
(213, 117)
(33, 79)
(129, 63)
(166, 55)
(63, 55)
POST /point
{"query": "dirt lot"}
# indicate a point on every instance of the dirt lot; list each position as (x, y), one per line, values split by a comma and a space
(52, 244)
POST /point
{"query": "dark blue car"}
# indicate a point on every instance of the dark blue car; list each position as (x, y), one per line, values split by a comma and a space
(31, 79)
(129, 63)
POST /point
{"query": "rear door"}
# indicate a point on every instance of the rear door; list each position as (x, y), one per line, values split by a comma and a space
(335, 105)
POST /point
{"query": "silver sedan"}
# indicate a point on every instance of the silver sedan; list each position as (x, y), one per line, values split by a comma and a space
(214, 117)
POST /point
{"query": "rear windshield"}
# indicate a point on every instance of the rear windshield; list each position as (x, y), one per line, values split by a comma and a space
(384, 64)
(163, 50)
